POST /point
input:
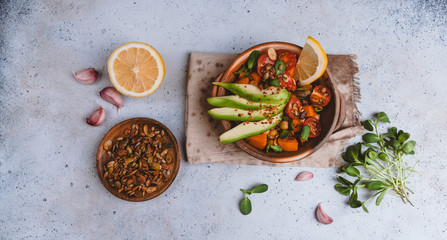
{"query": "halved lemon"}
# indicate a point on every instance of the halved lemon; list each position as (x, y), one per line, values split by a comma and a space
(311, 64)
(136, 69)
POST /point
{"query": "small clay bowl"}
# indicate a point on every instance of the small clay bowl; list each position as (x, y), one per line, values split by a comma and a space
(102, 158)
(329, 117)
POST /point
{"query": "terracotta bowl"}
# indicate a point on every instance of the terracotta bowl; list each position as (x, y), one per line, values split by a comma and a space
(102, 157)
(330, 118)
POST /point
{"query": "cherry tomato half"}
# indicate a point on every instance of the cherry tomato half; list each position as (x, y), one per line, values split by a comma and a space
(321, 96)
(315, 126)
(286, 81)
(293, 107)
(262, 61)
(288, 57)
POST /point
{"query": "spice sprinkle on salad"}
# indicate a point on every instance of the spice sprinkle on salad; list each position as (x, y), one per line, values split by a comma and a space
(278, 112)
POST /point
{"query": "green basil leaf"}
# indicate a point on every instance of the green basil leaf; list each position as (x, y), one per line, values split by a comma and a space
(370, 138)
(382, 117)
(260, 188)
(245, 206)
(241, 69)
(403, 137)
(352, 171)
(343, 189)
(375, 185)
(380, 197)
(367, 125)
(305, 132)
(276, 148)
(284, 134)
(253, 58)
(275, 83)
(411, 153)
(364, 208)
(409, 146)
(344, 181)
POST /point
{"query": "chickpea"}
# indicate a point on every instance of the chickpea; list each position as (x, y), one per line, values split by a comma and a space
(273, 134)
(284, 125)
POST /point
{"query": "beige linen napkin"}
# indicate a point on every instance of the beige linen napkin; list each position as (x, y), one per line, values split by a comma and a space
(202, 131)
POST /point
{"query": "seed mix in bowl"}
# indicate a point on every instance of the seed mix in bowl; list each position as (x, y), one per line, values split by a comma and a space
(140, 160)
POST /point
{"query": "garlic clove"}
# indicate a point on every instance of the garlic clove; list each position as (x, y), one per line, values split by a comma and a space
(97, 117)
(304, 176)
(86, 76)
(322, 216)
(111, 95)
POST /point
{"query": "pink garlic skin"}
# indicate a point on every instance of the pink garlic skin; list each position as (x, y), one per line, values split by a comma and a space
(86, 76)
(111, 95)
(304, 176)
(322, 216)
(97, 117)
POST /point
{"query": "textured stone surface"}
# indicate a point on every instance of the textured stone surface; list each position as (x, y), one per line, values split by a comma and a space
(48, 183)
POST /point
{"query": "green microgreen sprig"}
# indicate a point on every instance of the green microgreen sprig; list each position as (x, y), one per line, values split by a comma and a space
(245, 205)
(385, 170)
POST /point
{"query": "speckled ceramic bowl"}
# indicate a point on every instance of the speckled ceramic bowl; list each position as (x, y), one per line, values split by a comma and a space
(330, 117)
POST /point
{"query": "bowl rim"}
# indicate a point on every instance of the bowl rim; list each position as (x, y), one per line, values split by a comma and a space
(174, 171)
(220, 91)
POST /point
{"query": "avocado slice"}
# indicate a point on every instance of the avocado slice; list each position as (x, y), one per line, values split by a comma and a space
(234, 101)
(245, 130)
(274, 95)
(234, 114)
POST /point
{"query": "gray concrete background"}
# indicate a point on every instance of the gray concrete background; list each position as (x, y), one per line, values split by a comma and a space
(48, 183)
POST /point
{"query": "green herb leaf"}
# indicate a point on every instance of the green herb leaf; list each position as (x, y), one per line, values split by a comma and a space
(245, 206)
(246, 191)
(382, 117)
(253, 58)
(393, 131)
(343, 189)
(403, 137)
(352, 153)
(367, 125)
(372, 154)
(375, 185)
(380, 197)
(241, 69)
(260, 188)
(384, 157)
(284, 134)
(305, 131)
(364, 208)
(352, 171)
(275, 148)
(344, 181)
(275, 83)
(355, 204)
(370, 138)
(409, 146)
(318, 108)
